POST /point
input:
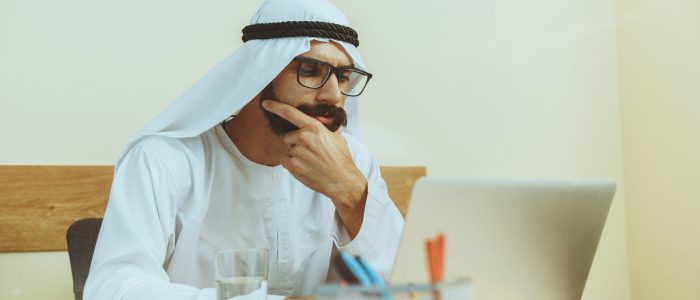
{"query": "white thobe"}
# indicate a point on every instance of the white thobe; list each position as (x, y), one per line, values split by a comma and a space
(175, 201)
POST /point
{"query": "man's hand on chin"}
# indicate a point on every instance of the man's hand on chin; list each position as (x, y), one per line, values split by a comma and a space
(321, 160)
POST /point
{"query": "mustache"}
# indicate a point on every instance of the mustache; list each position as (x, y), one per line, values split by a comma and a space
(324, 110)
(338, 114)
(280, 126)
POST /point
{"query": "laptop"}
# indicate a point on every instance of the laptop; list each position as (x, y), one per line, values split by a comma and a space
(514, 239)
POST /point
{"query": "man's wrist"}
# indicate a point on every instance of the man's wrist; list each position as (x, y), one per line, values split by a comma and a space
(350, 204)
(352, 193)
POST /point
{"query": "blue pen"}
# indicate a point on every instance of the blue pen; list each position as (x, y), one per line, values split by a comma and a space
(374, 277)
(356, 269)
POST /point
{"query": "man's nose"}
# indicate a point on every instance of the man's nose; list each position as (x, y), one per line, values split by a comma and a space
(330, 92)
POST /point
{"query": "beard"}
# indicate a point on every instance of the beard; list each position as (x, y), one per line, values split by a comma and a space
(280, 126)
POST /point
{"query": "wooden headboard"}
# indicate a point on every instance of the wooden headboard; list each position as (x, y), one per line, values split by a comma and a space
(38, 203)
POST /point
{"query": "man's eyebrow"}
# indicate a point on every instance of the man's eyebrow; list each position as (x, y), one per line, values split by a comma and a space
(351, 65)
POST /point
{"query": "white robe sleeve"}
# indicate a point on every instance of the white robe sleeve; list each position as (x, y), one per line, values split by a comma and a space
(382, 224)
(136, 232)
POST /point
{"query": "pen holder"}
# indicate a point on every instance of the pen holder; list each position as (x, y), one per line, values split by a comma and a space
(455, 290)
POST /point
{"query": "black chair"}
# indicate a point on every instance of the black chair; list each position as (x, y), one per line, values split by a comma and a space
(81, 238)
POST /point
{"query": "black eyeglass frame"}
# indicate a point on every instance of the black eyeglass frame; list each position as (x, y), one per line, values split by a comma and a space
(333, 70)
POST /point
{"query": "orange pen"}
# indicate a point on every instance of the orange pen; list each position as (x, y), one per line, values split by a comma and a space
(431, 260)
(440, 255)
(435, 250)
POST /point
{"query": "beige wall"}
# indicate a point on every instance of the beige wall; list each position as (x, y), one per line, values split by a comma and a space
(659, 43)
(499, 88)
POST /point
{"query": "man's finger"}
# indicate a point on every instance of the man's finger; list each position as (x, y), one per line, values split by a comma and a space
(291, 138)
(289, 113)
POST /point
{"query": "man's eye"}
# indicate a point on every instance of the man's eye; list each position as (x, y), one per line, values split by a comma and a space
(309, 71)
(342, 78)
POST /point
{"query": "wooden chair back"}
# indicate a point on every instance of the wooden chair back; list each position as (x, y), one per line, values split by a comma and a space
(38, 203)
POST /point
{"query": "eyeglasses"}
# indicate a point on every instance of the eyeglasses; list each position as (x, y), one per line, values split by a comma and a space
(314, 74)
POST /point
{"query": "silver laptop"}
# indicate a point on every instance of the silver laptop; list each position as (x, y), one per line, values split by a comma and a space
(515, 239)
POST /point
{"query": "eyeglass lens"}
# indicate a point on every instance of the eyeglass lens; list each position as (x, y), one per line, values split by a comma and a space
(314, 74)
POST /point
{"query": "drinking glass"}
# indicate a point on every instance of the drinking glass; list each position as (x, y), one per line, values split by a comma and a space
(241, 272)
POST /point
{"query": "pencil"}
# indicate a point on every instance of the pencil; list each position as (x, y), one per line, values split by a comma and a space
(440, 257)
(430, 253)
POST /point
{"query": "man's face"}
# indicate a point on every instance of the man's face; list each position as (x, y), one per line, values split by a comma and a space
(324, 104)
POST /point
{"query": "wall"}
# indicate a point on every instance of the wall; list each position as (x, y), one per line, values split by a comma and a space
(499, 88)
(659, 42)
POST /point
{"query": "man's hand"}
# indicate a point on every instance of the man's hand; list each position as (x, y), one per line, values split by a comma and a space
(321, 160)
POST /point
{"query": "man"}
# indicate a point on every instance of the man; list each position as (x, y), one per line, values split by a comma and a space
(286, 172)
